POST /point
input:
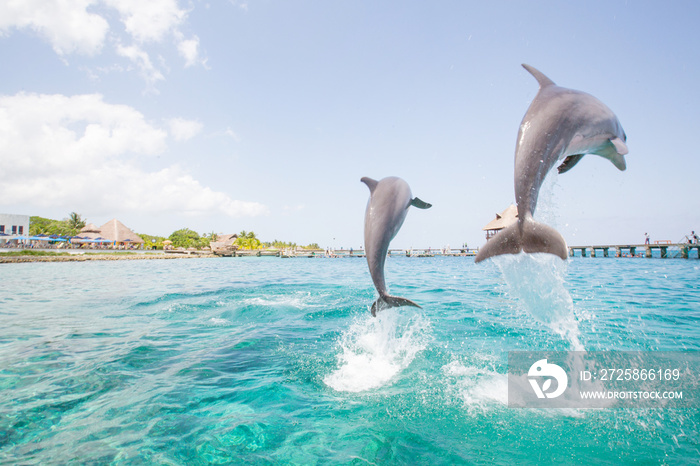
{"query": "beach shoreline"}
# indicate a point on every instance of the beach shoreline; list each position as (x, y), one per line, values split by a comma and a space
(99, 257)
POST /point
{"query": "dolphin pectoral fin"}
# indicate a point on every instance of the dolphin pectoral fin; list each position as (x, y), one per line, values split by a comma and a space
(506, 241)
(538, 237)
(388, 301)
(614, 150)
(569, 163)
(415, 202)
(371, 184)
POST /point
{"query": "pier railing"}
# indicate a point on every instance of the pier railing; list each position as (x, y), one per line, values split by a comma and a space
(335, 253)
(666, 250)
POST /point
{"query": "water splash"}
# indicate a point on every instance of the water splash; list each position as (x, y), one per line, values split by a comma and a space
(537, 281)
(479, 388)
(373, 351)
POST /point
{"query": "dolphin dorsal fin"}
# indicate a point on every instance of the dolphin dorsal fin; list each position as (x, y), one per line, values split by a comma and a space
(371, 184)
(543, 80)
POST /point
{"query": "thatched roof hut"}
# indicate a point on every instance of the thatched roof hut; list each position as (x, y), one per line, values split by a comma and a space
(224, 242)
(502, 220)
(90, 231)
(116, 231)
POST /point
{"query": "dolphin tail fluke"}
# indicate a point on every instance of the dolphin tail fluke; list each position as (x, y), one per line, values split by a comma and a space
(387, 302)
(506, 241)
(538, 237)
(530, 237)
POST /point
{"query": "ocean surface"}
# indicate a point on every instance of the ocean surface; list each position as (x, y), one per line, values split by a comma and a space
(278, 361)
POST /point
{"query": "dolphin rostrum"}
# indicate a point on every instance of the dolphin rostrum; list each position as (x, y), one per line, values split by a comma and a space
(560, 124)
(387, 207)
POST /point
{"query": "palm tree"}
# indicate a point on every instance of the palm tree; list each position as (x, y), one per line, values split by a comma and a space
(75, 221)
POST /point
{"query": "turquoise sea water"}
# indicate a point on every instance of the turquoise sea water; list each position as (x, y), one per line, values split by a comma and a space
(278, 361)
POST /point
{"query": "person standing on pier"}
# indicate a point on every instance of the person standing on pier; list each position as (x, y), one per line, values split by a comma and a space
(646, 238)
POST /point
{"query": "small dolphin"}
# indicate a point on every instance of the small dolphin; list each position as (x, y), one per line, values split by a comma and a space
(387, 207)
(560, 123)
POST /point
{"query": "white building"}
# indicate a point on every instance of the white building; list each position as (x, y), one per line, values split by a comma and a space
(14, 225)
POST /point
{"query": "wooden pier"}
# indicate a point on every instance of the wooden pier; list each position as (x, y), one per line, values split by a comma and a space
(339, 253)
(666, 250)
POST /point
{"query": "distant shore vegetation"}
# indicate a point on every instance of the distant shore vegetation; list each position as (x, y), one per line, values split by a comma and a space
(67, 227)
(182, 238)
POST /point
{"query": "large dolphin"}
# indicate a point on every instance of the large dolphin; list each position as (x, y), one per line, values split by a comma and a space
(387, 207)
(560, 124)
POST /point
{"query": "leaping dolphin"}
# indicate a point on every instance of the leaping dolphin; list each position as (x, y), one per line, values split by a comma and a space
(559, 124)
(387, 207)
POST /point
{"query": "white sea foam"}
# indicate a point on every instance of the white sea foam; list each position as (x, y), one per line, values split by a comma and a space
(477, 387)
(537, 281)
(217, 322)
(373, 351)
(298, 300)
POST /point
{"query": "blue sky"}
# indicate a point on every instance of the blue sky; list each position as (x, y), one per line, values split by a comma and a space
(264, 115)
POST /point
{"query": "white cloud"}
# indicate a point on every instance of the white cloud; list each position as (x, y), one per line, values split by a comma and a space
(149, 20)
(233, 135)
(143, 62)
(84, 26)
(83, 153)
(66, 25)
(189, 50)
(182, 129)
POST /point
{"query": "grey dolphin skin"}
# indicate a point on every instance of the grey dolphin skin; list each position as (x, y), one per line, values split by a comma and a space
(560, 124)
(387, 207)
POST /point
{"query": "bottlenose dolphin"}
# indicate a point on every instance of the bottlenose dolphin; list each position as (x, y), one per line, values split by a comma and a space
(559, 124)
(387, 207)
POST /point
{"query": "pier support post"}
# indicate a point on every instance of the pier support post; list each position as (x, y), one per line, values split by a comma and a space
(605, 252)
(684, 252)
(647, 252)
(633, 251)
(592, 252)
(583, 252)
(571, 252)
(663, 252)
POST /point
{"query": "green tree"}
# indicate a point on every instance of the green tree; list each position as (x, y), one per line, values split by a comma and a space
(151, 241)
(248, 240)
(47, 226)
(185, 238)
(75, 222)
